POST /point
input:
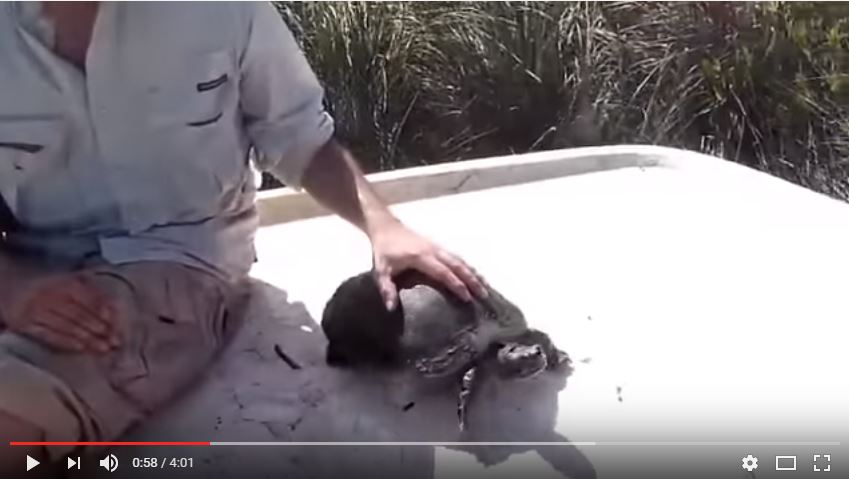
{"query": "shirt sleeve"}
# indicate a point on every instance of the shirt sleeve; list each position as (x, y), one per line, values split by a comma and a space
(280, 97)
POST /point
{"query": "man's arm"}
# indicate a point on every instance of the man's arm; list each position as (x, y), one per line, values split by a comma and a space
(282, 104)
(335, 180)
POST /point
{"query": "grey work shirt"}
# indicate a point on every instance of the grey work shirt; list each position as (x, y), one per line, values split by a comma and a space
(145, 155)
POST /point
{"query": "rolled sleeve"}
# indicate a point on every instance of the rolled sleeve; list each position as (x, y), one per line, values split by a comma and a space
(281, 98)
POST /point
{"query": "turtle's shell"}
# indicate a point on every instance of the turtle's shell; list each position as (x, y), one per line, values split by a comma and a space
(430, 328)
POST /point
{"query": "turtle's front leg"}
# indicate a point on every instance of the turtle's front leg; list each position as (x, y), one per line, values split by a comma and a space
(467, 385)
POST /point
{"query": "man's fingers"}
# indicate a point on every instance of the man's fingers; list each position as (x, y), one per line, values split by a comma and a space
(440, 272)
(388, 290)
(73, 311)
(88, 298)
(65, 323)
(87, 292)
(84, 316)
(65, 328)
(463, 271)
(385, 284)
(47, 335)
(481, 278)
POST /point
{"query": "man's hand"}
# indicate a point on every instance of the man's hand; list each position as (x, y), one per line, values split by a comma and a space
(397, 248)
(66, 312)
(336, 181)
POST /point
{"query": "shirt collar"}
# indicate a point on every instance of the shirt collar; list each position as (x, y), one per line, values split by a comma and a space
(28, 15)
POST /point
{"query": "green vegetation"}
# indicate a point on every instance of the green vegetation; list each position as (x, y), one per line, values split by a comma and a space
(411, 83)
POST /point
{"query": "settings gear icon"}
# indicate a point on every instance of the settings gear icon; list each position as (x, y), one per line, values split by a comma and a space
(750, 463)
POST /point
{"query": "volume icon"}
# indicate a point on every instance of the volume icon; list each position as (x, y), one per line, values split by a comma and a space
(110, 463)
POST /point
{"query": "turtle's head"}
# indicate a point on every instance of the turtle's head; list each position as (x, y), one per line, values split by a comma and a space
(516, 360)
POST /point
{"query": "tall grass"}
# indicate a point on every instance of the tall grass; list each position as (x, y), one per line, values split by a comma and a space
(764, 84)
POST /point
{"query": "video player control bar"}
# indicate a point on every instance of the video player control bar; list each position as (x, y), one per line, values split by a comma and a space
(414, 443)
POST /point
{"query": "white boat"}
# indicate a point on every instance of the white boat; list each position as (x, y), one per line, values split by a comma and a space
(704, 305)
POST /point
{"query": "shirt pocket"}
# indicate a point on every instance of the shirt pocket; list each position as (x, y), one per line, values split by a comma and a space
(194, 93)
(28, 149)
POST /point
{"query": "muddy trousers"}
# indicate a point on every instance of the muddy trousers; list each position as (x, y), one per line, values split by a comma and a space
(174, 321)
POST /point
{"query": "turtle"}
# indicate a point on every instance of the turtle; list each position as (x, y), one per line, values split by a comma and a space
(434, 333)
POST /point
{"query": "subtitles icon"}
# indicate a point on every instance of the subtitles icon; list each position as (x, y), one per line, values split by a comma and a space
(110, 463)
(785, 463)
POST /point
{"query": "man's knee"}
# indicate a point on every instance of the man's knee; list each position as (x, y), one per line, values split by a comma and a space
(15, 429)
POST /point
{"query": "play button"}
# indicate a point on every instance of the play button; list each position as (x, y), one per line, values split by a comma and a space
(31, 463)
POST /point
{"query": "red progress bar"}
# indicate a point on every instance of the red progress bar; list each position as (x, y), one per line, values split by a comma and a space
(207, 443)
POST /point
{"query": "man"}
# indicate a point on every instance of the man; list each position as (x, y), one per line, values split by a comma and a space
(124, 137)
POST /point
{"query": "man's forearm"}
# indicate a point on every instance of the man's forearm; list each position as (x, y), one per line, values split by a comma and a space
(336, 181)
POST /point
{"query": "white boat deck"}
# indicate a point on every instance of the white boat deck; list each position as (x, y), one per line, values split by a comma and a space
(701, 302)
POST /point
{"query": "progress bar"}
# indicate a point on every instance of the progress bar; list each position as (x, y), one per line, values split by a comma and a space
(420, 443)
(525, 443)
(108, 444)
